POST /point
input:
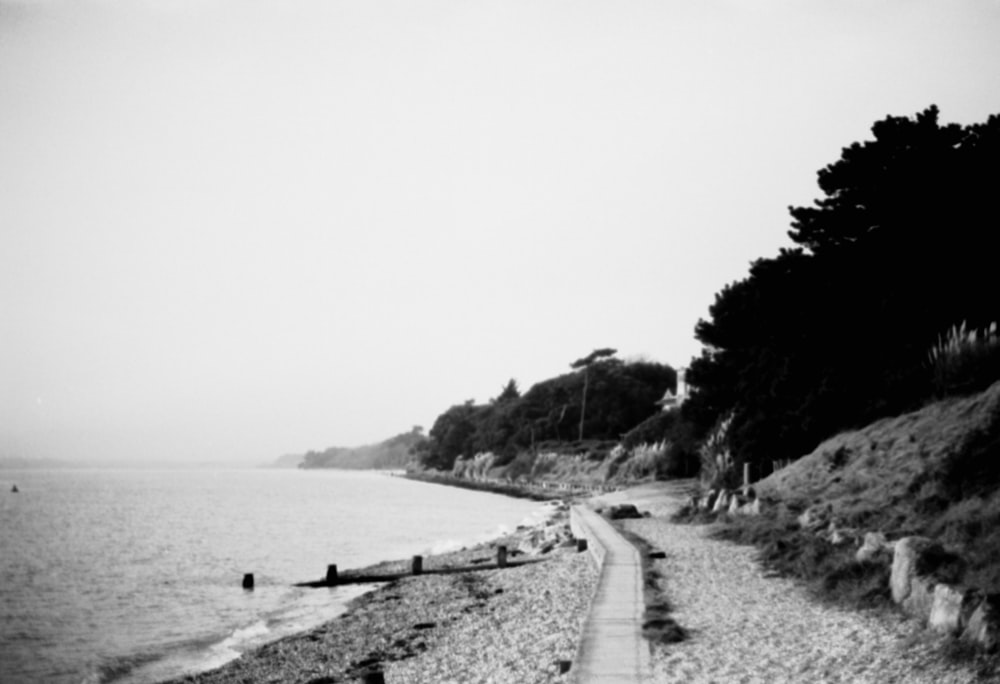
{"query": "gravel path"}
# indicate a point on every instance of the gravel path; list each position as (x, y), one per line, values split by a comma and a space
(747, 628)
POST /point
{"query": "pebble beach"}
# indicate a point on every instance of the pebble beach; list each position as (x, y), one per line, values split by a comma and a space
(519, 624)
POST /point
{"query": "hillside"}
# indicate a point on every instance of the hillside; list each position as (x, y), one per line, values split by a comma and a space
(932, 472)
(393, 453)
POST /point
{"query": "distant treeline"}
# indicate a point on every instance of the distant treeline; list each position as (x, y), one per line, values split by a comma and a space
(393, 453)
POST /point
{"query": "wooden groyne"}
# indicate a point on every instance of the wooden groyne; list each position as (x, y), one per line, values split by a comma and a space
(334, 578)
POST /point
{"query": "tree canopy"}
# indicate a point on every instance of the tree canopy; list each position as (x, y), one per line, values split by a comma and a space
(620, 396)
(835, 332)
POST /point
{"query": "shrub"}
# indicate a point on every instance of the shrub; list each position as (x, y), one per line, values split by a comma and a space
(653, 429)
(717, 466)
(964, 361)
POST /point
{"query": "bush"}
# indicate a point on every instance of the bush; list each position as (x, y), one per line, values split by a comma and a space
(653, 429)
(964, 361)
(717, 466)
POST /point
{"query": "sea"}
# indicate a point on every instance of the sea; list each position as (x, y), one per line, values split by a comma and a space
(135, 576)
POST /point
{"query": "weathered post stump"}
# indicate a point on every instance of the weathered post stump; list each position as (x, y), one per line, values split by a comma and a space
(331, 574)
(501, 556)
(372, 677)
(248, 581)
(581, 544)
(418, 565)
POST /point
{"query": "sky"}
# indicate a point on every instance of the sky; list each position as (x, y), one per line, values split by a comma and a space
(235, 229)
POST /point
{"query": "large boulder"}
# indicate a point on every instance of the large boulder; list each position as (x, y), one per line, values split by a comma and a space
(918, 564)
(953, 607)
(946, 609)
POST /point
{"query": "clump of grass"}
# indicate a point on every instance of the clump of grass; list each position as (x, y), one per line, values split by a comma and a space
(830, 572)
(717, 466)
(964, 360)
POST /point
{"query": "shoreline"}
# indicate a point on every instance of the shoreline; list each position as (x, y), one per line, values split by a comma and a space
(520, 623)
(544, 491)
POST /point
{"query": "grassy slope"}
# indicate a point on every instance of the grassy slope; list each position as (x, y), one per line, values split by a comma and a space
(934, 472)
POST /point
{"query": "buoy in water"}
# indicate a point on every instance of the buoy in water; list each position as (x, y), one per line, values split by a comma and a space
(14, 489)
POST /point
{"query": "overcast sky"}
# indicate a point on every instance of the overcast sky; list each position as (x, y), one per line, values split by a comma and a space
(233, 229)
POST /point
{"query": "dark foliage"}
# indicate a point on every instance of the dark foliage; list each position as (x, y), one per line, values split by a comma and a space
(835, 333)
(619, 396)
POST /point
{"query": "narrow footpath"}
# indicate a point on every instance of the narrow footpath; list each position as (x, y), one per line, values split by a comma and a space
(745, 627)
(611, 647)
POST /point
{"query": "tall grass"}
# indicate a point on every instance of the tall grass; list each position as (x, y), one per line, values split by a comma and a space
(717, 466)
(964, 360)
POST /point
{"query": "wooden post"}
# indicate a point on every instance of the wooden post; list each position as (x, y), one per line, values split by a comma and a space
(372, 677)
(248, 581)
(746, 475)
(501, 556)
(581, 544)
(418, 565)
(331, 574)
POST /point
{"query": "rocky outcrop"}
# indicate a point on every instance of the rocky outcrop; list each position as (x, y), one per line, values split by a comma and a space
(925, 583)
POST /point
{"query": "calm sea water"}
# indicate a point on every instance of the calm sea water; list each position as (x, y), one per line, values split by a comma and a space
(135, 576)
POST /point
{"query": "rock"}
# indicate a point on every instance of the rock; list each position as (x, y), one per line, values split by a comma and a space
(919, 602)
(946, 609)
(752, 508)
(814, 517)
(839, 537)
(623, 511)
(918, 564)
(874, 548)
(721, 501)
(734, 505)
(709, 500)
(983, 628)
(904, 565)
